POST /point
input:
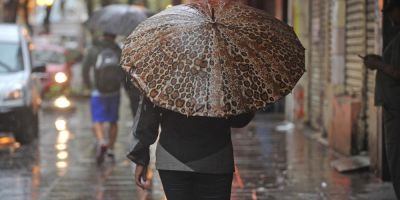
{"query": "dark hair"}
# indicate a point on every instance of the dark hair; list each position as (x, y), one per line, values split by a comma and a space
(389, 6)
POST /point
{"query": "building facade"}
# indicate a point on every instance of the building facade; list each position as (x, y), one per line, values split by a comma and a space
(336, 95)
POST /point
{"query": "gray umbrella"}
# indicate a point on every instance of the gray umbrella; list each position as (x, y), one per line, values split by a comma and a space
(117, 19)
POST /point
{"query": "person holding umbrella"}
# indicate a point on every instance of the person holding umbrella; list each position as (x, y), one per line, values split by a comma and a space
(204, 68)
(194, 155)
(120, 19)
(103, 57)
(103, 60)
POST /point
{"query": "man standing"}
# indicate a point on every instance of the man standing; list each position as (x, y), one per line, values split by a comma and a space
(103, 58)
(387, 93)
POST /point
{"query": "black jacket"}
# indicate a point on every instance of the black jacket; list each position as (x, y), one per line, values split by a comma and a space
(199, 144)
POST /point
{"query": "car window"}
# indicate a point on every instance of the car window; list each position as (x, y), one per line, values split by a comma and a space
(11, 59)
(48, 57)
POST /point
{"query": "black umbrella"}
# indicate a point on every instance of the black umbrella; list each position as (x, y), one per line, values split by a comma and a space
(119, 19)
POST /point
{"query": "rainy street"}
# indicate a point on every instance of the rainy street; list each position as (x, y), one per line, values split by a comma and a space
(316, 73)
(274, 161)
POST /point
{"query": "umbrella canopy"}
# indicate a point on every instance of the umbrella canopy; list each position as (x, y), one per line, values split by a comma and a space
(118, 19)
(213, 58)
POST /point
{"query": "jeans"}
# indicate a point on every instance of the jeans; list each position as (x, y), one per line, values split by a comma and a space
(179, 185)
(391, 125)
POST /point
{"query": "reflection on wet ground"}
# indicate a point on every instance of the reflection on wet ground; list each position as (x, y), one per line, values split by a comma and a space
(277, 160)
(271, 164)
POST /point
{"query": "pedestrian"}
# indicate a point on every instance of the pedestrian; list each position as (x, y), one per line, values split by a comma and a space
(102, 61)
(387, 93)
(194, 154)
(201, 75)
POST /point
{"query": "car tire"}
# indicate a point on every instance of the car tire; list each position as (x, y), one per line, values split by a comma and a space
(28, 127)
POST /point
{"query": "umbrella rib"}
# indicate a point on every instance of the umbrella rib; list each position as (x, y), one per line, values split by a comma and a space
(142, 44)
(217, 38)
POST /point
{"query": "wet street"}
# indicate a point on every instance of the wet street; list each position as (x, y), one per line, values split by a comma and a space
(271, 164)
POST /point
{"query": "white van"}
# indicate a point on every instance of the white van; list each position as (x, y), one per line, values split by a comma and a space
(19, 84)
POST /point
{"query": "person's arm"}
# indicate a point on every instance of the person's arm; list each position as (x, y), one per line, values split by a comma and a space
(241, 120)
(389, 70)
(126, 82)
(87, 63)
(145, 131)
(376, 62)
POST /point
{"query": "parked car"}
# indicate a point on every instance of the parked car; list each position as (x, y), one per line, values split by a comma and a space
(19, 84)
(58, 68)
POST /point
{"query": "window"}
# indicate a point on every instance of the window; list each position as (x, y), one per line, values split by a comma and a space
(11, 59)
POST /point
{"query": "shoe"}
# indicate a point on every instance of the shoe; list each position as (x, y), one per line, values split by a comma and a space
(110, 153)
(101, 151)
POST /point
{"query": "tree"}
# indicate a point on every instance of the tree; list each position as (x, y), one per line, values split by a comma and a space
(89, 7)
(10, 10)
(25, 8)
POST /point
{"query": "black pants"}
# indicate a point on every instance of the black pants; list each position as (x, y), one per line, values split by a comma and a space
(195, 186)
(391, 126)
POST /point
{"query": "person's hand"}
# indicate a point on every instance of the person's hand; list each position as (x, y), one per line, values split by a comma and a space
(141, 177)
(372, 61)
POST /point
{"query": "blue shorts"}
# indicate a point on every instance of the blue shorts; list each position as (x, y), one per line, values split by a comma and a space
(105, 108)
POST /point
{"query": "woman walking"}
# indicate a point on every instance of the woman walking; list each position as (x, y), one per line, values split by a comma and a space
(204, 68)
(194, 154)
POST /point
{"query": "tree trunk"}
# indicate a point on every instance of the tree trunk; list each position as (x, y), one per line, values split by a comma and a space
(25, 7)
(10, 11)
(89, 7)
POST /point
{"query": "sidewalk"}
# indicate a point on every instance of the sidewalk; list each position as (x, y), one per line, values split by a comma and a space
(289, 165)
(271, 164)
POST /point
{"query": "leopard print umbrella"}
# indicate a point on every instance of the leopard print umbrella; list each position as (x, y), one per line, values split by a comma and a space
(213, 58)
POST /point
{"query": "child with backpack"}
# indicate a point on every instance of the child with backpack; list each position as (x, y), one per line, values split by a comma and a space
(102, 62)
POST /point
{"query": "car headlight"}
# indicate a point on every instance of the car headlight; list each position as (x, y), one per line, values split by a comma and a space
(15, 94)
(60, 77)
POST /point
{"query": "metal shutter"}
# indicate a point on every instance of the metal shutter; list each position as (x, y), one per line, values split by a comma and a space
(355, 45)
(320, 59)
(372, 39)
